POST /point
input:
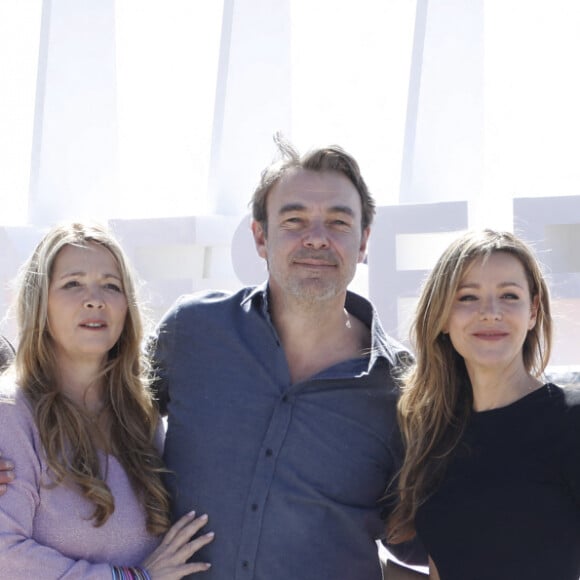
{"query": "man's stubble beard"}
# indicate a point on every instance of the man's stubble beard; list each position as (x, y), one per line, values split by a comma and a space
(314, 291)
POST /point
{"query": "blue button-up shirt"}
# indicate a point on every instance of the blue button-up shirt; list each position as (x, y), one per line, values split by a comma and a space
(291, 475)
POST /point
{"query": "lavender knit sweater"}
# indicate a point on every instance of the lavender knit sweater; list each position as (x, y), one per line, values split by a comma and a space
(46, 532)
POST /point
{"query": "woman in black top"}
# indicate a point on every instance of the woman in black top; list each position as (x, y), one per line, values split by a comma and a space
(491, 478)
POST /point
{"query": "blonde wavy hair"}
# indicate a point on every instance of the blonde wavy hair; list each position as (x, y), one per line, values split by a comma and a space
(436, 398)
(64, 428)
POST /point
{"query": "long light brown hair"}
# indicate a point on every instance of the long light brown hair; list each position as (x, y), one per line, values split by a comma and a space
(436, 399)
(65, 429)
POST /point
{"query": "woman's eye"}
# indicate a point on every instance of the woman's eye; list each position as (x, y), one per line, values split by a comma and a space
(467, 298)
(112, 286)
(511, 296)
(71, 284)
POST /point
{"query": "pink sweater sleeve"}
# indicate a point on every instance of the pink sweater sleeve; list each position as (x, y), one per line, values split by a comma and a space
(21, 556)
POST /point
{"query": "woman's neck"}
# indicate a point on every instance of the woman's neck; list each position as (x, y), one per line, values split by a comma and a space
(493, 389)
(83, 384)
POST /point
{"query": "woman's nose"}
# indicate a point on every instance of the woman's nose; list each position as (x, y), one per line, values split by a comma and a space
(94, 299)
(490, 309)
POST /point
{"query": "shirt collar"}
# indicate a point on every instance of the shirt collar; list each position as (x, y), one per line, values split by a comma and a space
(257, 297)
(382, 346)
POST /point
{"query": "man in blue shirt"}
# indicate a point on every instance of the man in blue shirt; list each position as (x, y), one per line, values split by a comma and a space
(281, 399)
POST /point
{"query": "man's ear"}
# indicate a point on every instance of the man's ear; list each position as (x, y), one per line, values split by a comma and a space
(362, 252)
(259, 238)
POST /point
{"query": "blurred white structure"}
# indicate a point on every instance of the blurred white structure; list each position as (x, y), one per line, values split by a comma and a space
(74, 149)
(80, 164)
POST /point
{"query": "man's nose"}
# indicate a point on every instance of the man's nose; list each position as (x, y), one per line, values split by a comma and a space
(316, 236)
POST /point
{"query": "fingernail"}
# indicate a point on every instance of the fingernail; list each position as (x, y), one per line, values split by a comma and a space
(2, 488)
(210, 535)
(204, 517)
(191, 514)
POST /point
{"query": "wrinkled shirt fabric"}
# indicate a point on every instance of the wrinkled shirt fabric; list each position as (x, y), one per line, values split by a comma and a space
(291, 475)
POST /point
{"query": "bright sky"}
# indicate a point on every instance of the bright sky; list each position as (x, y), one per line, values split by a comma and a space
(19, 37)
(350, 74)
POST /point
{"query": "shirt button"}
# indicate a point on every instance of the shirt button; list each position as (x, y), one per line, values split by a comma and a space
(245, 564)
(269, 453)
(285, 399)
(254, 507)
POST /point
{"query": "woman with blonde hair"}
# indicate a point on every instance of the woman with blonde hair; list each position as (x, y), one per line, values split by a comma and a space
(77, 415)
(491, 477)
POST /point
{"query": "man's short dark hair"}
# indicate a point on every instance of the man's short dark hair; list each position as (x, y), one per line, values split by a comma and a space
(331, 158)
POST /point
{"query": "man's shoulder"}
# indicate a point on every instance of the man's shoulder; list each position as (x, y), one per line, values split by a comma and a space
(398, 355)
(395, 346)
(211, 299)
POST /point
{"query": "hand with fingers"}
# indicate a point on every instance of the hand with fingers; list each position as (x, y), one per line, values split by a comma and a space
(169, 560)
(6, 473)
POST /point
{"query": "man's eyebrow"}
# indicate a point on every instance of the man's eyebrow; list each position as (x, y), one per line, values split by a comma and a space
(342, 209)
(290, 207)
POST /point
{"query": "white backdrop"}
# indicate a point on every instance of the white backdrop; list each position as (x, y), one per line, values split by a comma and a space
(157, 116)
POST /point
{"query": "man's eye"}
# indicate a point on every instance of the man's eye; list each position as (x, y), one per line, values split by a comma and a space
(293, 221)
